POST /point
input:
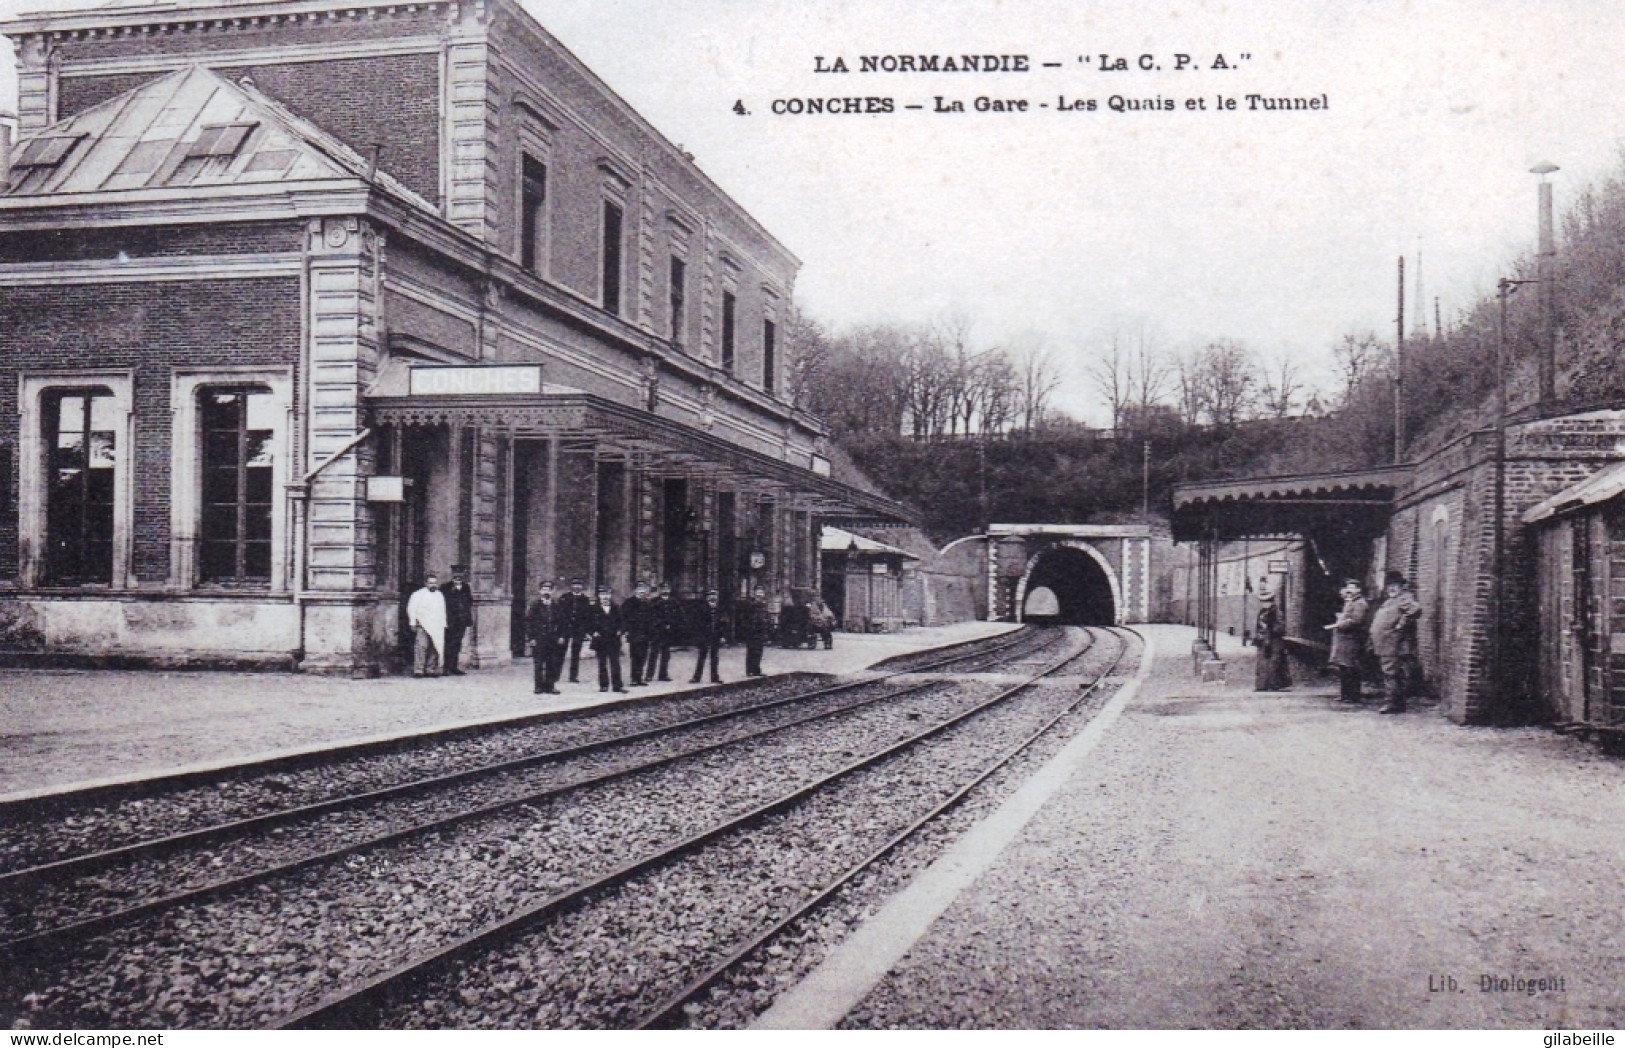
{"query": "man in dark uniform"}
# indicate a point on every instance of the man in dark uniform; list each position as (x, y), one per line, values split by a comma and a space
(549, 633)
(637, 612)
(663, 618)
(757, 628)
(578, 620)
(607, 627)
(713, 626)
(459, 616)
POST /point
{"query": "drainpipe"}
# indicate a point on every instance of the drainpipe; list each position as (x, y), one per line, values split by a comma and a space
(5, 151)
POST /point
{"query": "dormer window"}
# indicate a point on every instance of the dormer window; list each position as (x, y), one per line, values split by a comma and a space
(45, 152)
(219, 140)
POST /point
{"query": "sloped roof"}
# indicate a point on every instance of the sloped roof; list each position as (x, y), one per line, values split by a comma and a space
(192, 128)
(1599, 487)
(837, 539)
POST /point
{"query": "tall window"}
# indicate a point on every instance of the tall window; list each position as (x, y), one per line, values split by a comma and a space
(612, 257)
(728, 332)
(679, 292)
(532, 201)
(82, 435)
(235, 537)
(769, 355)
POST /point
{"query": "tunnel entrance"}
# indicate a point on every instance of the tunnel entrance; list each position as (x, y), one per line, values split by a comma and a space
(1068, 587)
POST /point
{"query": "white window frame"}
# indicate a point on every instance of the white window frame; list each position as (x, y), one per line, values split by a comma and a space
(33, 470)
(186, 468)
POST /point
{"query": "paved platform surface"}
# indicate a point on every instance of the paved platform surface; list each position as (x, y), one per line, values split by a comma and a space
(1224, 858)
(62, 729)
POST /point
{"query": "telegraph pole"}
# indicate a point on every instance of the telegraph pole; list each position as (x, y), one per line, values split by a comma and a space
(1399, 371)
(1545, 255)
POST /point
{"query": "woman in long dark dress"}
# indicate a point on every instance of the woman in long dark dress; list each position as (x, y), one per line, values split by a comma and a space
(1272, 673)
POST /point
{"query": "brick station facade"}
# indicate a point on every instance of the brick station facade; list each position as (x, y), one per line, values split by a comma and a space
(258, 265)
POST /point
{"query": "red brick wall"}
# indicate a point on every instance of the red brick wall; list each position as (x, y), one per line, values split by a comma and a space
(150, 328)
(212, 39)
(226, 238)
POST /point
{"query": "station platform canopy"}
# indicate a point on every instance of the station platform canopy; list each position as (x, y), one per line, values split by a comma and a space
(1349, 504)
(660, 445)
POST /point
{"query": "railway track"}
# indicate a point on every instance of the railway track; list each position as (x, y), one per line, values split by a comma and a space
(41, 950)
(70, 833)
(498, 974)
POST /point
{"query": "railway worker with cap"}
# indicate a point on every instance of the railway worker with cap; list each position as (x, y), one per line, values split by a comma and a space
(1271, 673)
(426, 616)
(663, 625)
(713, 626)
(637, 611)
(459, 617)
(757, 628)
(1393, 640)
(607, 627)
(1348, 639)
(578, 621)
(549, 635)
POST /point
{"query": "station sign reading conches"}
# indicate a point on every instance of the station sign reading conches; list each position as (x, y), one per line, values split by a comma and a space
(478, 381)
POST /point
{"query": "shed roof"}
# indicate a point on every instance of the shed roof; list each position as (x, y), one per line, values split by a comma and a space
(838, 540)
(1349, 504)
(1599, 487)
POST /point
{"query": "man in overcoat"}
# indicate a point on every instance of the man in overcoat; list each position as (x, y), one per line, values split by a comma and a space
(1348, 639)
(637, 611)
(607, 627)
(663, 614)
(757, 628)
(713, 627)
(549, 635)
(1393, 641)
(578, 617)
(459, 617)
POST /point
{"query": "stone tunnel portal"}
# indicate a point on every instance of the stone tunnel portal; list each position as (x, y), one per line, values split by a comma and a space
(1068, 588)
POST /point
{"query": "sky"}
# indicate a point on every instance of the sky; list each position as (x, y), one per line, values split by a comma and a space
(1280, 230)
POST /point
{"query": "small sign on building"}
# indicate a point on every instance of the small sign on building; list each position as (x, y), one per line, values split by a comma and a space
(476, 381)
(386, 489)
(1280, 567)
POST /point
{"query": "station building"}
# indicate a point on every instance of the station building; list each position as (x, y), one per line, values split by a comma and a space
(303, 300)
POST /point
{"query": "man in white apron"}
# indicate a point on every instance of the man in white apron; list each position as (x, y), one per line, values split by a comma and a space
(426, 614)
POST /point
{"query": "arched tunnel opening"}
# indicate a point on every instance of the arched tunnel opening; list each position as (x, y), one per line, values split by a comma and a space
(1068, 588)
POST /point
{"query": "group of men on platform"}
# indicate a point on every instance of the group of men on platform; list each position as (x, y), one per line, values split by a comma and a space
(558, 628)
(439, 618)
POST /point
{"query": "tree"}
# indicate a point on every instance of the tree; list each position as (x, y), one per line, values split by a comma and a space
(1109, 371)
(1036, 379)
(1229, 379)
(1355, 358)
(1150, 374)
(1281, 386)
